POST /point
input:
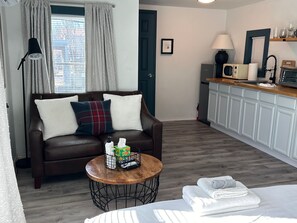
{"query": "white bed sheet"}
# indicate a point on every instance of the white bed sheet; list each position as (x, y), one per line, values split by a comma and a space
(278, 205)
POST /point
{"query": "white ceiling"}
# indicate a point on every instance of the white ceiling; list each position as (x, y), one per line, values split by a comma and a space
(218, 4)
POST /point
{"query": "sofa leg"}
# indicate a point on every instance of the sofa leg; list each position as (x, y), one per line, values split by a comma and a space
(37, 182)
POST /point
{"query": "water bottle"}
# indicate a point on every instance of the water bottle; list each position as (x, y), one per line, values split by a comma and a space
(109, 146)
(110, 157)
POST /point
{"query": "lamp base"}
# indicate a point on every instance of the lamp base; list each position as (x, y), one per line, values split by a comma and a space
(24, 163)
(221, 58)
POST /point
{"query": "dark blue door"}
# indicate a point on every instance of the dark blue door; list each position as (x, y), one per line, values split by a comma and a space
(147, 57)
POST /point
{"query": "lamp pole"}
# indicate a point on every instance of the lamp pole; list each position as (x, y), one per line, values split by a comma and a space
(24, 163)
(34, 53)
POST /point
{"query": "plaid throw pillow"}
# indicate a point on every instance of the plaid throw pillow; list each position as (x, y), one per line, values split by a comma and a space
(93, 117)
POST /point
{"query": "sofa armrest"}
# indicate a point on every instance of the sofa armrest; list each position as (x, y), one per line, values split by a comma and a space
(153, 127)
(36, 145)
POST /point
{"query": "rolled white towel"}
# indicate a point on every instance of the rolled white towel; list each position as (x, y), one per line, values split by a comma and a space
(222, 184)
(202, 204)
(206, 185)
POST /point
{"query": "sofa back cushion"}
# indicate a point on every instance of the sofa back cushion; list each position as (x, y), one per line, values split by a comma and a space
(125, 111)
(57, 116)
(93, 117)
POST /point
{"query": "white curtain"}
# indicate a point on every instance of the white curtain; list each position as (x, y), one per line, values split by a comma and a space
(11, 208)
(100, 48)
(39, 74)
(36, 17)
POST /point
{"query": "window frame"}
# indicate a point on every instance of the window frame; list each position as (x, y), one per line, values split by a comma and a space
(67, 10)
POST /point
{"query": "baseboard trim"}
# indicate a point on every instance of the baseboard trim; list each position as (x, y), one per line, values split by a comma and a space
(256, 145)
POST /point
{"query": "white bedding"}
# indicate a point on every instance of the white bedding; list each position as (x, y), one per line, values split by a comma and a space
(278, 205)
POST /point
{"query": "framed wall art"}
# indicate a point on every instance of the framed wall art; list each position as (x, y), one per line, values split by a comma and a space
(166, 46)
(256, 47)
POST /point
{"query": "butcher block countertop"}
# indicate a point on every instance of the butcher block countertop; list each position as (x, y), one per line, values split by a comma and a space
(291, 92)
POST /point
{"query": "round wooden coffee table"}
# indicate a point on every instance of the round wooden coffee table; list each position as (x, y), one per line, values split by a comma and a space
(123, 187)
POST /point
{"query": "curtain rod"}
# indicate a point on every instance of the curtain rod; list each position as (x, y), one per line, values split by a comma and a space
(73, 3)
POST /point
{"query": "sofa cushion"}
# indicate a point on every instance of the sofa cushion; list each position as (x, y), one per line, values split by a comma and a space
(93, 117)
(57, 116)
(71, 146)
(135, 139)
(125, 111)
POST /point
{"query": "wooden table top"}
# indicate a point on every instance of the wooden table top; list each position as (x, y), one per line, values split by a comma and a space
(150, 167)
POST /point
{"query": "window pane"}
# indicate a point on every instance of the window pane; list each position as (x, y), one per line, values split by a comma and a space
(68, 42)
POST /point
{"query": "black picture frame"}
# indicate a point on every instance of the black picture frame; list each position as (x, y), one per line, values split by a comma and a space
(249, 46)
(167, 46)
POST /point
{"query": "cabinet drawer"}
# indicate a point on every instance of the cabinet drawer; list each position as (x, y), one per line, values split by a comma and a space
(213, 86)
(251, 94)
(224, 88)
(236, 91)
(286, 102)
(269, 98)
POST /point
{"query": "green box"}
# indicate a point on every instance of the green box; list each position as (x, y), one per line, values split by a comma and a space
(122, 153)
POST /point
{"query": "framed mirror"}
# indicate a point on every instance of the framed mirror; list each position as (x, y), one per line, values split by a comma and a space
(256, 48)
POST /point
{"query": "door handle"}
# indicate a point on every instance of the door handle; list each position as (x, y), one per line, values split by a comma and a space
(150, 75)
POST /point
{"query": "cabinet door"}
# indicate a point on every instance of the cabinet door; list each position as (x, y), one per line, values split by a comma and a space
(223, 105)
(235, 114)
(265, 124)
(212, 106)
(249, 118)
(283, 130)
(294, 152)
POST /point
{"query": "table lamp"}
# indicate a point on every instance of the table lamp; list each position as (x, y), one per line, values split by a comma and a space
(223, 42)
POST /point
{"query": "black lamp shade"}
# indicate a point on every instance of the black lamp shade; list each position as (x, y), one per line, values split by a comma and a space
(34, 51)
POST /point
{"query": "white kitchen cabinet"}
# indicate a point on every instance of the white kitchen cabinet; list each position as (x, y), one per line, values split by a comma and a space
(223, 105)
(235, 109)
(266, 119)
(249, 116)
(294, 152)
(265, 124)
(283, 130)
(284, 123)
(212, 102)
(212, 106)
(294, 155)
(235, 114)
(261, 119)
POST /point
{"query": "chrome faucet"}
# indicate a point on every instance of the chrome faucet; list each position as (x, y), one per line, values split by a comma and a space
(273, 70)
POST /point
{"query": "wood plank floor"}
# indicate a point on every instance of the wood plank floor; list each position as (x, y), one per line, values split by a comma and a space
(190, 150)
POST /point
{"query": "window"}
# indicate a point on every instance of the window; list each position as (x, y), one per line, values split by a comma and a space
(68, 45)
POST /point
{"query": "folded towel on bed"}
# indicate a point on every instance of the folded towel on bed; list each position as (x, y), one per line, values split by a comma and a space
(222, 184)
(203, 204)
(206, 185)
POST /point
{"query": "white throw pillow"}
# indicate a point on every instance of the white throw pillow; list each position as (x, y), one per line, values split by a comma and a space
(58, 116)
(125, 111)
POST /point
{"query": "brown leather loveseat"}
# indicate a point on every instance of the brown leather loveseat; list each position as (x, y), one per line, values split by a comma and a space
(69, 154)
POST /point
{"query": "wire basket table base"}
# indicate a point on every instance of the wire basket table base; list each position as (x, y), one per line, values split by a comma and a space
(111, 197)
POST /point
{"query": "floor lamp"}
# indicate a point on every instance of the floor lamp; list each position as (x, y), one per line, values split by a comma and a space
(34, 53)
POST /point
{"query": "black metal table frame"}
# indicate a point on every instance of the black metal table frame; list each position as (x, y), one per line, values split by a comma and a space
(103, 194)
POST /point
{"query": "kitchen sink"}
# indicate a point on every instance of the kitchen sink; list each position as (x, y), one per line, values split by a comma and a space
(252, 82)
(258, 83)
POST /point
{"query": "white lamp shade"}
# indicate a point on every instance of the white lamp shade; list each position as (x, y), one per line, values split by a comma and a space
(223, 42)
